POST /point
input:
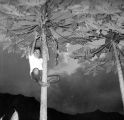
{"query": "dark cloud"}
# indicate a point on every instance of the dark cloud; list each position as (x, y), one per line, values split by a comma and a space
(86, 93)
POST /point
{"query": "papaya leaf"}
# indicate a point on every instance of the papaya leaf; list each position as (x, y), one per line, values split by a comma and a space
(94, 68)
(31, 3)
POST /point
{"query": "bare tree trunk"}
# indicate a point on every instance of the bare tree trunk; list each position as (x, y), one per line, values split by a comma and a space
(120, 73)
(43, 99)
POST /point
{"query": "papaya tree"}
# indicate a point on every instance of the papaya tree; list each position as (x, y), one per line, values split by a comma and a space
(106, 56)
(103, 35)
(23, 20)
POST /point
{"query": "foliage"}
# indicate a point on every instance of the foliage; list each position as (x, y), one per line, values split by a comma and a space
(85, 23)
(19, 24)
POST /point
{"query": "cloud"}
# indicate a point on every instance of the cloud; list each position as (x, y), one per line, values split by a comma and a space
(79, 93)
(66, 64)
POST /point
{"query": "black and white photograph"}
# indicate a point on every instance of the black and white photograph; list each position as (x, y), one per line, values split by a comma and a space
(61, 59)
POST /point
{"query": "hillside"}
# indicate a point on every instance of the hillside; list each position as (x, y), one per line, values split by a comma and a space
(28, 109)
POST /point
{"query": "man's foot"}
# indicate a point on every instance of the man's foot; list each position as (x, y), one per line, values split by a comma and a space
(43, 84)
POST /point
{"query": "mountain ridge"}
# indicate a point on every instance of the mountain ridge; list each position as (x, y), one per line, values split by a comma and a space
(28, 109)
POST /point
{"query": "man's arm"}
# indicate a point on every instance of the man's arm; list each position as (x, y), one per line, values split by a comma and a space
(33, 47)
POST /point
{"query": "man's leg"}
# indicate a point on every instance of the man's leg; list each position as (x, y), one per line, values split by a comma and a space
(43, 84)
(53, 78)
(37, 76)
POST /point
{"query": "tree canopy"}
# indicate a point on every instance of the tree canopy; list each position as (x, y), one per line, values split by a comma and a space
(86, 22)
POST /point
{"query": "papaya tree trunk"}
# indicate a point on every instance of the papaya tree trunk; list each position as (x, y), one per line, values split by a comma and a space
(43, 98)
(120, 73)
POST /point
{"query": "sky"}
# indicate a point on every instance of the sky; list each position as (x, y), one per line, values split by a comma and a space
(75, 93)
